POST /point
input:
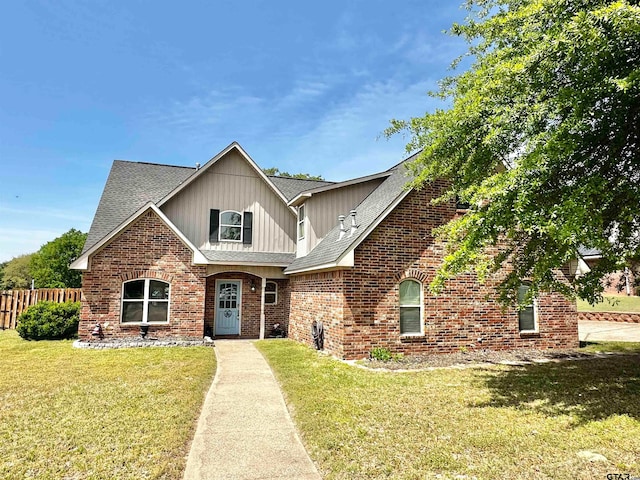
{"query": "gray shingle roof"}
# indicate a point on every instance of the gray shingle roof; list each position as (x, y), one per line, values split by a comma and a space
(267, 258)
(291, 187)
(129, 187)
(331, 248)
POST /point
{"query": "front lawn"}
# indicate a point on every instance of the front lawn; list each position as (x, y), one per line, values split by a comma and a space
(611, 303)
(67, 413)
(490, 422)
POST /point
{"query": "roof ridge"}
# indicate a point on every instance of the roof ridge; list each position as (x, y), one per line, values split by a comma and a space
(154, 164)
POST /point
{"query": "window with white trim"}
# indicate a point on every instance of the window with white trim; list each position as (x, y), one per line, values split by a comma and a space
(231, 226)
(271, 293)
(528, 313)
(145, 300)
(301, 222)
(410, 307)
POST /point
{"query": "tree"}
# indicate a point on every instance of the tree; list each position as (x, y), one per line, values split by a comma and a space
(2, 266)
(274, 171)
(50, 265)
(542, 139)
(16, 273)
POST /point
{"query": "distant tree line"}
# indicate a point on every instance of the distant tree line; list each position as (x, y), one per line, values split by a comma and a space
(274, 171)
(48, 267)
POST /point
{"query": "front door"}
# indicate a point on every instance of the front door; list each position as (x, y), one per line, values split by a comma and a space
(228, 307)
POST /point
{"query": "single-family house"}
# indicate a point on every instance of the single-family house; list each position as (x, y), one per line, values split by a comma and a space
(224, 250)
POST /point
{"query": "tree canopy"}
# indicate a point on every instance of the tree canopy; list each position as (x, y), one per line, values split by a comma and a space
(49, 266)
(16, 273)
(274, 171)
(541, 138)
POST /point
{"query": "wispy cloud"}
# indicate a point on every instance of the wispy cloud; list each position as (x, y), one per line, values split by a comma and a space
(46, 212)
(18, 241)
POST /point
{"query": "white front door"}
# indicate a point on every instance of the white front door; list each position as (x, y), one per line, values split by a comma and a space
(228, 307)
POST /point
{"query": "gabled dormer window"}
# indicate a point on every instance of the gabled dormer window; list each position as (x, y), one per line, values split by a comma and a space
(301, 219)
(230, 226)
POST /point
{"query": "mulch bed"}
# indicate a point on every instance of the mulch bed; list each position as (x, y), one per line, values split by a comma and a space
(476, 357)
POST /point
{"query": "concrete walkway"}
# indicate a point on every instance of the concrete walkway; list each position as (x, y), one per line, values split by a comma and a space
(245, 431)
(590, 331)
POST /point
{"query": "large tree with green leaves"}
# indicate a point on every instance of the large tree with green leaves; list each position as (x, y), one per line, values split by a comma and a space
(50, 265)
(16, 274)
(541, 138)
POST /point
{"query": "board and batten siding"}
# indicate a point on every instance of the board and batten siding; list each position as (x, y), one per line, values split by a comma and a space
(232, 184)
(323, 208)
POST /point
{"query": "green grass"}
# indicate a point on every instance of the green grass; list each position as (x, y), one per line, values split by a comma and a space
(611, 303)
(98, 414)
(610, 347)
(526, 422)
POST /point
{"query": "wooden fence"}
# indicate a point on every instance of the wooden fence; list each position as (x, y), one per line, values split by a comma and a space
(14, 302)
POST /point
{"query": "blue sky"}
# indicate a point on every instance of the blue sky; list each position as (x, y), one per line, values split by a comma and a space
(303, 86)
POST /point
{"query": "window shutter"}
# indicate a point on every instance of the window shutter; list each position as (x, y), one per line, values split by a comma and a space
(214, 225)
(247, 228)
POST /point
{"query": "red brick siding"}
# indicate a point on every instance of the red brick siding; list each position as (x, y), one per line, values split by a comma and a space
(318, 297)
(250, 311)
(460, 317)
(279, 312)
(629, 317)
(146, 249)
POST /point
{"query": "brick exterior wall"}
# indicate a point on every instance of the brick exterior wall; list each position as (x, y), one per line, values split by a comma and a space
(278, 312)
(360, 306)
(250, 308)
(629, 317)
(146, 249)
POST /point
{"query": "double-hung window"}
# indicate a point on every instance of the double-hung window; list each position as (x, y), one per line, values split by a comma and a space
(271, 293)
(145, 301)
(410, 307)
(528, 313)
(231, 226)
(301, 214)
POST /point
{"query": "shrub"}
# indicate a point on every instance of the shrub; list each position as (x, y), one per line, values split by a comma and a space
(49, 321)
(382, 354)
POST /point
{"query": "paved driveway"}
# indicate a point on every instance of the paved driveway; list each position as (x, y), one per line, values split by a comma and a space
(590, 331)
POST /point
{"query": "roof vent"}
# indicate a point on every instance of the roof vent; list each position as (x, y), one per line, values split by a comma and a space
(197, 166)
(343, 230)
(354, 225)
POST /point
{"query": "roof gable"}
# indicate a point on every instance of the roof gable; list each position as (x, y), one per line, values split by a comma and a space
(244, 155)
(82, 262)
(335, 249)
(130, 186)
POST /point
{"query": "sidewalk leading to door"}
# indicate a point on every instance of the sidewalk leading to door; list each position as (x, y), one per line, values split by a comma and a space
(245, 431)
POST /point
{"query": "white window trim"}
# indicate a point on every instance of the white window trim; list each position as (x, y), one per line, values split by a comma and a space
(533, 304)
(145, 302)
(400, 306)
(221, 225)
(301, 222)
(274, 293)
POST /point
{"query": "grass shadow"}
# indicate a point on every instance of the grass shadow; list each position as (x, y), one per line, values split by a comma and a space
(588, 390)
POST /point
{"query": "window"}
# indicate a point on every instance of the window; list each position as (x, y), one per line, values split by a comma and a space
(410, 307)
(528, 315)
(271, 293)
(231, 226)
(145, 301)
(300, 222)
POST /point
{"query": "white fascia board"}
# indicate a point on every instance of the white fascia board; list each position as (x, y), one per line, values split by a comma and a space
(334, 186)
(233, 146)
(347, 261)
(82, 262)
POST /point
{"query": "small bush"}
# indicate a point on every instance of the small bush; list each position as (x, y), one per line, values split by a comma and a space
(382, 354)
(49, 321)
